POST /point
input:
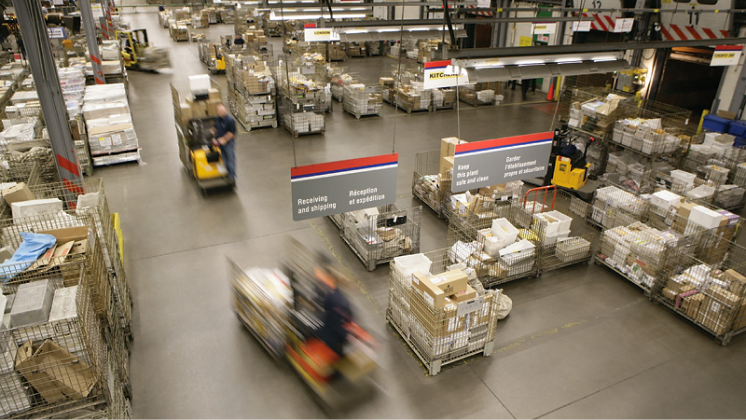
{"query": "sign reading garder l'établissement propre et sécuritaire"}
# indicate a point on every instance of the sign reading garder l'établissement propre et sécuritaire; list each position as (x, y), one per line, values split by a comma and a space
(491, 162)
(346, 185)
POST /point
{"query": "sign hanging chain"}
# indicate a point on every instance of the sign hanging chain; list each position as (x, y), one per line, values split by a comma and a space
(287, 72)
(398, 76)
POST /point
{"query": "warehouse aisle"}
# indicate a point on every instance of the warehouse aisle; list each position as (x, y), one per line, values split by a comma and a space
(579, 343)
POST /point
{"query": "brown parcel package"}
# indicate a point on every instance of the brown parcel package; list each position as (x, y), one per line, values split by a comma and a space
(20, 192)
(737, 282)
(54, 372)
(448, 146)
(715, 316)
(446, 166)
(690, 305)
(465, 295)
(451, 282)
(430, 291)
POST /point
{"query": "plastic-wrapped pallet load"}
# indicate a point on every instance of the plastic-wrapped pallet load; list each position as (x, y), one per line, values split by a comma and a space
(112, 136)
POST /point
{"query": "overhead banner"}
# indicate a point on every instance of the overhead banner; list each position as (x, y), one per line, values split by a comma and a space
(544, 28)
(491, 162)
(314, 34)
(441, 74)
(346, 185)
(726, 55)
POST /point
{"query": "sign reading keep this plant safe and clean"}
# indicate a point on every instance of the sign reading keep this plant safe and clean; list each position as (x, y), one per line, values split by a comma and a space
(491, 162)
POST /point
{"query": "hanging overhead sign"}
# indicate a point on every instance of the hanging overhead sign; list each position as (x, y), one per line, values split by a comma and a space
(544, 28)
(584, 26)
(623, 25)
(314, 34)
(56, 32)
(346, 185)
(726, 55)
(491, 162)
(441, 74)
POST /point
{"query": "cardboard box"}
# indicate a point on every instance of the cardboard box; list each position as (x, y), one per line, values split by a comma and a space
(465, 295)
(55, 373)
(726, 114)
(64, 304)
(446, 166)
(213, 94)
(737, 282)
(20, 192)
(65, 235)
(432, 293)
(715, 316)
(212, 107)
(723, 296)
(448, 146)
(690, 305)
(451, 282)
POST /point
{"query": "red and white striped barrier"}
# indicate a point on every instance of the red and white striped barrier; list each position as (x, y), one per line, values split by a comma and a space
(673, 32)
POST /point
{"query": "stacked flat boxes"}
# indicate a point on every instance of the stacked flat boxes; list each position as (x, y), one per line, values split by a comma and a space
(360, 100)
(251, 96)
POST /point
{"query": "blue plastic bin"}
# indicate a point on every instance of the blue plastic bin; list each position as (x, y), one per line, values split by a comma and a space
(715, 123)
(737, 128)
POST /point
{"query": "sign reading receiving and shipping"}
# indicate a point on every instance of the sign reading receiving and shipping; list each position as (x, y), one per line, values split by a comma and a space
(544, 28)
(441, 74)
(346, 185)
(726, 55)
(491, 162)
(56, 32)
(314, 34)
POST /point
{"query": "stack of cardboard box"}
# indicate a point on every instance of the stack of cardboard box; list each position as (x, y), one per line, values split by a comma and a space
(110, 130)
(336, 52)
(355, 50)
(444, 98)
(360, 100)
(413, 97)
(388, 88)
(179, 31)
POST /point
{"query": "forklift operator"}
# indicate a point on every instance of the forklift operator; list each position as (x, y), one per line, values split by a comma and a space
(225, 134)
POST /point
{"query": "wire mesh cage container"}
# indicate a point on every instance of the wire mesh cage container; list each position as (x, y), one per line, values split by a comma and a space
(338, 220)
(361, 100)
(72, 231)
(379, 234)
(53, 359)
(495, 249)
(612, 206)
(483, 203)
(303, 113)
(440, 330)
(565, 235)
(427, 184)
(93, 204)
(709, 295)
(253, 99)
(341, 78)
(476, 94)
(444, 98)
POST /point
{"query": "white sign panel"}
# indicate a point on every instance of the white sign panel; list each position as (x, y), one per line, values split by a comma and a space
(544, 28)
(623, 25)
(56, 32)
(726, 55)
(441, 74)
(314, 34)
(584, 26)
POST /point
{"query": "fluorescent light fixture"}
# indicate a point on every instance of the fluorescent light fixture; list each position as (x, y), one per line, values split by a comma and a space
(485, 63)
(313, 16)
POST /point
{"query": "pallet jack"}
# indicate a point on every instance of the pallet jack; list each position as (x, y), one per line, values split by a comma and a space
(568, 167)
(207, 165)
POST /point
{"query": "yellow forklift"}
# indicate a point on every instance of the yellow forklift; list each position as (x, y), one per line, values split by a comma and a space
(205, 162)
(138, 54)
(568, 167)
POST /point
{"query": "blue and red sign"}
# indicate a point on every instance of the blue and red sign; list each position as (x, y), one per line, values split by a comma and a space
(491, 162)
(336, 187)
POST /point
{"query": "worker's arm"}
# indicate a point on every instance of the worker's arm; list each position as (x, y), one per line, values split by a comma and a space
(226, 138)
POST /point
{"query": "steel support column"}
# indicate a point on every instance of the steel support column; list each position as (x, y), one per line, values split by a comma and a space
(40, 57)
(89, 25)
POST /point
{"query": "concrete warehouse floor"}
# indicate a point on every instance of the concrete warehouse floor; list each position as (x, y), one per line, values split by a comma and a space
(580, 342)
